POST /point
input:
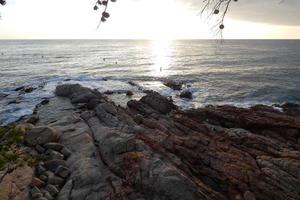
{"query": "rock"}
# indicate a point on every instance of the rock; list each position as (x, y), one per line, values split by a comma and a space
(158, 102)
(249, 195)
(40, 169)
(93, 103)
(52, 190)
(2, 96)
(53, 164)
(39, 148)
(129, 93)
(36, 182)
(45, 102)
(62, 171)
(32, 119)
(48, 196)
(66, 152)
(54, 154)
(55, 180)
(43, 178)
(173, 84)
(35, 192)
(77, 93)
(54, 146)
(41, 135)
(15, 184)
(29, 89)
(108, 92)
(291, 108)
(186, 94)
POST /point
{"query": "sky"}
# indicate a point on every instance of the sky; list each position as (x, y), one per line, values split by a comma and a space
(147, 19)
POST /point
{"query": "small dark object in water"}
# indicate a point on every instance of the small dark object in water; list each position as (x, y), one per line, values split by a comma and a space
(108, 92)
(45, 101)
(186, 94)
(129, 93)
(173, 84)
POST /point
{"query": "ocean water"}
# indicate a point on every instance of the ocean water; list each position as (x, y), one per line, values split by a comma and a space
(239, 72)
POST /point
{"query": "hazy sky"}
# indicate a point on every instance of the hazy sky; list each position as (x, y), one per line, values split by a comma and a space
(149, 19)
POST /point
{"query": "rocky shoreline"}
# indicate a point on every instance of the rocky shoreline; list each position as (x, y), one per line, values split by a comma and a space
(151, 149)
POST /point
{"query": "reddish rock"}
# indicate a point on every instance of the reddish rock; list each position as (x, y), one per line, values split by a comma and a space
(36, 182)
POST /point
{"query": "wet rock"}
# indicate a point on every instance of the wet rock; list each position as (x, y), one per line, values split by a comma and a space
(175, 85)
(291, 108)
(41, 135)
(186, 94)
(29, 89)
(45, 102)
(52, 190)
(54, 146)
(77, 93)
(129, 93)
(2, 96)
(62, 171)
(108, 92)
(158, 102)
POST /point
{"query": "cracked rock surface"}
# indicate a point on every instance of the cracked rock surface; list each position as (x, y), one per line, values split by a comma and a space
(153, 150)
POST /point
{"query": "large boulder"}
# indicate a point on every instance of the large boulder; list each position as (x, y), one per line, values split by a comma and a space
(41, 135)
(158, 102)
(77, 93)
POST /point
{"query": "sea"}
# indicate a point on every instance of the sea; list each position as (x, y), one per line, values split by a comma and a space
(236, 72)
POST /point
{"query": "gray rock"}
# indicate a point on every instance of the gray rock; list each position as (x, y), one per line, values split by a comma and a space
(41, 135)
(54, 154)
(66, 152)
(43, 178)
(65, 191)
(53, 145)
(35, 192)
(39, 148)
(48, 196)
(77, 93)
(52, 165)
(55, 180)
(52, 190)
(62, 171)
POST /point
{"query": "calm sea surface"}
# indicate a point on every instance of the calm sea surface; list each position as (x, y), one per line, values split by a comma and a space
(241, 72)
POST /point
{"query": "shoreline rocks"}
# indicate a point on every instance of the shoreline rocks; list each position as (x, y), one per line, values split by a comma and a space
(153, 150)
